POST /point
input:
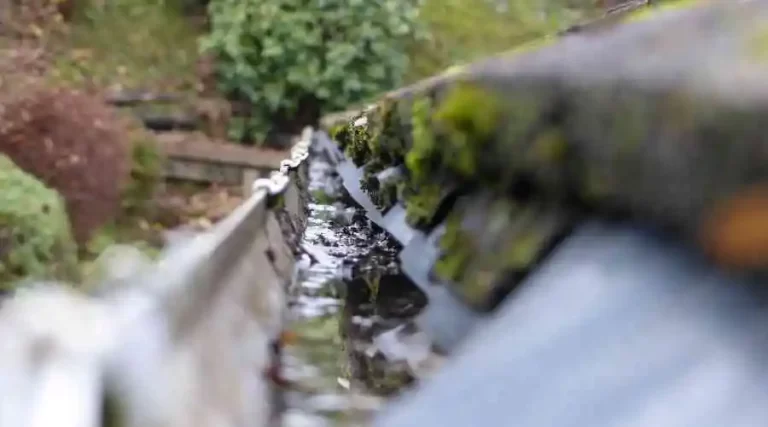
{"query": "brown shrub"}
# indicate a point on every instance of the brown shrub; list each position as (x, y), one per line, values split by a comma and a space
(73, 143)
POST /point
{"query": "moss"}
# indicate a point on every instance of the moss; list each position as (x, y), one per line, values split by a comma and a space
(550, 146)
(456, 247)
(446, 145)
(645, 13)
(379, 124)
(341, 134)
(322, 198)
(514, 239)
(357, 148)
(35, 235)
(468, 117)
(523, 250)
(388, 133)
(423, 150)
(422, 203)
(527, 131)
(382, 196)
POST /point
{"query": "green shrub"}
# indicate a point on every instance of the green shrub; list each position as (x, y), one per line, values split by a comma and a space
(35, 237)
(287, 61)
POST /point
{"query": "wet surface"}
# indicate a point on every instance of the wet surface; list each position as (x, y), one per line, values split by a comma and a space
(354, 342)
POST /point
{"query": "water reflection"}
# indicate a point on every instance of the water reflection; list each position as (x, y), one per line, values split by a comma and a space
(355, 344)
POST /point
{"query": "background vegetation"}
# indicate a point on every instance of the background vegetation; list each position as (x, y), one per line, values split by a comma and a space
(282, 63)
(460, 31)
(287, 61)
(77, 174)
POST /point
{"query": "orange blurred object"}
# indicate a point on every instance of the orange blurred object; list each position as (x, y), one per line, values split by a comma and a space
(736, 235)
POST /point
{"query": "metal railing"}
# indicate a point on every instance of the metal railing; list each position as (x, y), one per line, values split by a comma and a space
(183, 342)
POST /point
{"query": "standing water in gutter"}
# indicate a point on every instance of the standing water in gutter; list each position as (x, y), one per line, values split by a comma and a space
(353, 340)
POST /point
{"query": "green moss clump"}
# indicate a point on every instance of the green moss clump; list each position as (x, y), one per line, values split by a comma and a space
(35, 235)
(422, 203)
(386, 148)
(421, 195)
(521, 250)
(446, 145)
(388, 134)
(423, 152)
(357, 147)
(342, 134)
(468, 118)
(457, 248)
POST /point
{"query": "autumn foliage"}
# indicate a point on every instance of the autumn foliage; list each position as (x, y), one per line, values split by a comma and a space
(74, 144)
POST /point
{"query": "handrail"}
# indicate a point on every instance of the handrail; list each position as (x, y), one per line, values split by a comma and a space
(181, 343)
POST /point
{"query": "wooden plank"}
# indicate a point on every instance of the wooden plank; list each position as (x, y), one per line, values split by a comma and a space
(197, 147)
(210, 172)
